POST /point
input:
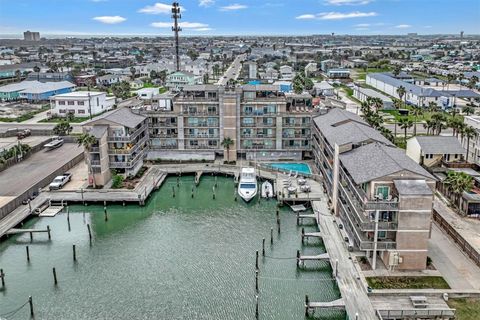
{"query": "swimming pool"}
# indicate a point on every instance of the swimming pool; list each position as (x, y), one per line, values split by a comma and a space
(291, 166)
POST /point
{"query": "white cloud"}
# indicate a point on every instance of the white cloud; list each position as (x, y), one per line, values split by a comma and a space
(362, 29)
(403, 26)
(233, 7)
(362, 25)
(159, 8)
(337, 15)
(347, 2)
(206, 3)
(306, 17)
(202, 29)
(109, 19)
(185, 25)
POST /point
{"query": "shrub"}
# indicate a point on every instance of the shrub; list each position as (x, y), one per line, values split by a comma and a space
(117, 181)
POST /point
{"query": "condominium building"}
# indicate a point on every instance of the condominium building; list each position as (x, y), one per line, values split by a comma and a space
(263, 122)
(31, 36)
(80, 103)
(382, 197)
(121, 144)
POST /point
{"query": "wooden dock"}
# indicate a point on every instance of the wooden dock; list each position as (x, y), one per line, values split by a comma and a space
(310, 306)
(301, 217)
(308, 235)
(13, 231)
(318, 257)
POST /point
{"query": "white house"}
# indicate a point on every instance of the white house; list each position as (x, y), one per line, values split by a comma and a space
(287, 73)
(147, 93)
(80, 103)
(430, 151)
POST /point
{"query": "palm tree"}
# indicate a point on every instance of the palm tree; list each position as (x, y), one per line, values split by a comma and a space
(87, 141)
(457, 182)
(428, 125)
(450, 78)
(433, 107)
(377, 103)
(62, 128)
(469, 132)
(416, 111)
(405, 124)
(468, 110)
(456, 124)
(438, 122)
(227, 143)
(460, 78)
(472, 82)
(401, 92)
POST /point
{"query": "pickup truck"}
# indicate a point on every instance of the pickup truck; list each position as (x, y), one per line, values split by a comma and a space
(60, 181)
(23, 134)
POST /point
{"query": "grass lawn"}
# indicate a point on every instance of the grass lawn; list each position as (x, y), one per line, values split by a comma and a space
(467, 309)
(427, 115)
(26, 116)
(407, 283)
(56, 120)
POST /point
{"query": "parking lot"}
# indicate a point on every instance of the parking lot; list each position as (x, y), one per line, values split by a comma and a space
(20, 177)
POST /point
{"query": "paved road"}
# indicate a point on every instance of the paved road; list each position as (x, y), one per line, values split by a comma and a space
(233, 71)
(20, 177)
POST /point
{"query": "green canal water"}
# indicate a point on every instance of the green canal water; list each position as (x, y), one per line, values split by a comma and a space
(175, 258)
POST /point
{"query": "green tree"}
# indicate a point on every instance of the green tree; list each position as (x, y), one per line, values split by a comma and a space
(63, 128)
(405, 124)
(396, 70)
(133, 71)
(450, 78)
(401, 93)
(472, 82)
(468, 110)
(457, 182)
(227, 142)
(433, 107)
(417, 112)
(192, 54)
(87, 141)
(438, 122)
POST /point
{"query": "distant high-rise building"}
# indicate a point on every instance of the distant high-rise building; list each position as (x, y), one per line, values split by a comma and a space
(31, 36)
(461, 34)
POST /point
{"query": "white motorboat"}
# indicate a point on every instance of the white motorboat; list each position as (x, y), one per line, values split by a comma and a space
(267, 190)
(247, 187)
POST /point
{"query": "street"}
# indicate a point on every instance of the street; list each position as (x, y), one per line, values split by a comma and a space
(233, 71)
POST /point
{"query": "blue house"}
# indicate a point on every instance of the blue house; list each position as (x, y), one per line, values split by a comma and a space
(41, 91)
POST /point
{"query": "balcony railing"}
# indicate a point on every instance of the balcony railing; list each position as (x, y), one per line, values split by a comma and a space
(257, 136)
(95, 163)
(127, 164)
(137, 145)
(200, 113)
(296, 124)
(129, 137)
(94, 149)
(202, 136)
(202, 124)
(381, 245)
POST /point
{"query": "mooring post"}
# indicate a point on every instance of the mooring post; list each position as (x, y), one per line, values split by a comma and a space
(28, 253)
(303, 235)
(55, 276)
(256, 280)
(31, 236)
(336, 268)
(256, 307)
(213, 189)
(178, 181)
(192, 191)
(81, 191)
(89, 232)
(2, 276)
(263, 247)
(30, 302)
(278, 228)
(49, 233)
(74, 253)
(271, 235)
(298, 218)
(298, 258)
(307, 304)
(356, 316)
(256, 260)
(105, 212)
(278, 216)
(173, 191)
(215, 181)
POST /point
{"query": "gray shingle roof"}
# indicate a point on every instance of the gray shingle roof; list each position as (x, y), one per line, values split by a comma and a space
(440, 145)
(122, 116)
(376, 160)
(340, 127)
(412, 187)
(414, 89)
(98, 131)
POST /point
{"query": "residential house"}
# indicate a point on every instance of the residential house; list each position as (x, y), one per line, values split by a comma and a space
(80, 103)
(109, 79)
(363, 94)
(286, 72)
(177, 80)
(432, 151)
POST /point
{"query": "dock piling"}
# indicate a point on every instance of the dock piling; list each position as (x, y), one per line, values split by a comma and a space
(271, 235)
(278, 216)
(54, 276)
(89, 232)
(28, 253)
(49, 233)
(336, 268)
(173, 192)
(256, 260)
(263, 247)
(303, 235)
(256, 307)
(105, 212)
(30, 303)
(2, 276)
(298, 258)
(74, 253)
(278, 228)
(256, 281)
(31, 236)
(192, 192)
(307, 303)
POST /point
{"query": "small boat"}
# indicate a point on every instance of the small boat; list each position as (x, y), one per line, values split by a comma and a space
(247, 187)
(267, 190)
(55, 143)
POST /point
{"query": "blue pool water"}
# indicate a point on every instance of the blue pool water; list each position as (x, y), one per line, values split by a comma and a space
(287, 166)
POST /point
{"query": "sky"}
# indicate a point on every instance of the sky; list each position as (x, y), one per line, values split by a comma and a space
(240, 17)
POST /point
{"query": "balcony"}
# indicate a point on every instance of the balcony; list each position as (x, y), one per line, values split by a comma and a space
(95, 163)
(127, 164)
(200, 113)
(201, 124)
(257, 136)
(137, 145)
(129, 137)
(164, 135)
(202, 136)
(94, 149)
(164, 124)
(381, 245)
(190, 99)
(296, 124)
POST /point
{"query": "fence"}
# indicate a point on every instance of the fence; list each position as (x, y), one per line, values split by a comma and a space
(17, 201)
(470, 251)
(10, 162)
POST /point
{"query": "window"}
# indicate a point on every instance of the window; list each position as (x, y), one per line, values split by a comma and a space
(81, 103)
(62, 103)
(62, 111)
(382, 234)
(382, 192)
(81, 111)
(71, 103)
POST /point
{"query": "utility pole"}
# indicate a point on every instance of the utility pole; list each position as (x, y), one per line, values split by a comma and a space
(176, 29)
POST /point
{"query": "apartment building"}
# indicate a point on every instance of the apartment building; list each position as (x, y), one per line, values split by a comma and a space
(122, 138)
(263, 122)
(80, 103)
(382, 197)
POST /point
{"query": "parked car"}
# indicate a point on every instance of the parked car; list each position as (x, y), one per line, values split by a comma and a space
(60, 181)
(23, 133)
(56, 142)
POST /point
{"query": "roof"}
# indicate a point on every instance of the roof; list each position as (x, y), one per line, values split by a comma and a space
(341, 127)
(376, 160)
(324, 85)
(461, 93)
(78, 94)
(41, 87)
(414, 89)
(98, 131)
(440, 145)
(372, 93)
(412, 187)
(13, 87)
(122, 116)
